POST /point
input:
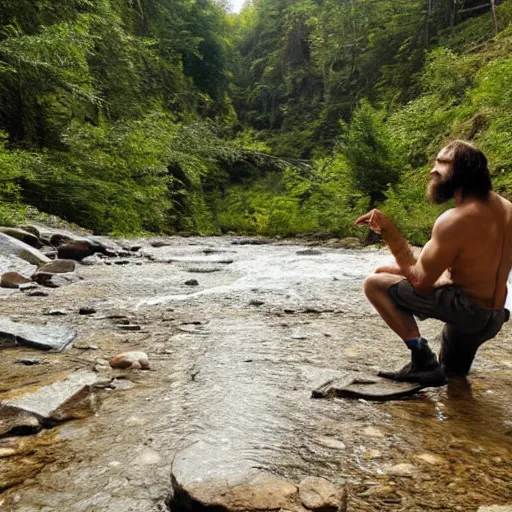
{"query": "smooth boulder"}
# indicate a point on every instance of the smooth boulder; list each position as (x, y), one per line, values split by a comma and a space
(58, 266)
(12, 280)
(10, 246)
(22, 235)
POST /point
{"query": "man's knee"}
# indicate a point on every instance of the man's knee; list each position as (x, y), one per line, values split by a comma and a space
(373, 284)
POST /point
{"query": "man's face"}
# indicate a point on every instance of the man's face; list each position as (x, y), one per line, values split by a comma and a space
(441, 186)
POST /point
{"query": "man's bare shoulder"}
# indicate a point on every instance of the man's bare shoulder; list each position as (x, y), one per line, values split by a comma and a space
(448, 222)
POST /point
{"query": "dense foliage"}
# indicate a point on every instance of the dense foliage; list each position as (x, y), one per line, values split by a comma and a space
(293, 116)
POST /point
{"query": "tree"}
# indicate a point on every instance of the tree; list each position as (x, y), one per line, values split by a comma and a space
(372, 156)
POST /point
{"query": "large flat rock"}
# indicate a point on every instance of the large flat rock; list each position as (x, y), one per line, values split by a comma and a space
(44, 337)
(368, 388)
(203, 479)
(10, 246)
(70, 397)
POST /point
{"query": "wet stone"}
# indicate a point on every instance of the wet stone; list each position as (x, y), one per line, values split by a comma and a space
(13, 418)
(309, 252)
(131, 360)
(367, 388)
(332, 442)
(37, 293)
(45, 337)
(56, 312)
(192, 282)
(69, 398)
(28, 362)
(129, 327)
(403, 469)
(22, 235)
(87, 310)
(13, 247)
(121, 262)
(27, 286)
(13, 280)
(58, 267)
(85, 346)
(321, 494)
(379, 491)
(203, 270)
(496, 508)
(249, 492)
(431, 459)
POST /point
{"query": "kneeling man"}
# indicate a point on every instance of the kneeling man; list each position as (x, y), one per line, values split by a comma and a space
(460, 276)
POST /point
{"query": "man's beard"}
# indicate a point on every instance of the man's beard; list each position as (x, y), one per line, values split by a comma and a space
(439, 191)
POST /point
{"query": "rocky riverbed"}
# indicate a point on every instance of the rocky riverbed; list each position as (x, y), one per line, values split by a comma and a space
(238, 335)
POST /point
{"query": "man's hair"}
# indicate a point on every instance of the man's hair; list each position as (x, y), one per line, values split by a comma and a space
(470, 171)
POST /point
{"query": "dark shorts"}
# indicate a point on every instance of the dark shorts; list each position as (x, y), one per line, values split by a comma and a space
(468, 325)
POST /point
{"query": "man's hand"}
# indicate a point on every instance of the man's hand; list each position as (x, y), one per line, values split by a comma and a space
(376, 221)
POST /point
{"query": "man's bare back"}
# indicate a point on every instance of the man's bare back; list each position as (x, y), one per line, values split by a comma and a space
(483, 242)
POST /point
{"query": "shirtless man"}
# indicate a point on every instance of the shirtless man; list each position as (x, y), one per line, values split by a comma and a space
(460, 276)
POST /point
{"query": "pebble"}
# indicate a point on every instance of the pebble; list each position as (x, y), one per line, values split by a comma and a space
(429, 458)
(147, 458)
(28, 286)
(403, 469)
(129, 327)
(38, 293)
(85, 346)
(28, 362)
(256, 302)
(372, 454)
(192, 282)
(379, 491)
(86, 310)
(373, 432)
(332, 442)
(132, 360)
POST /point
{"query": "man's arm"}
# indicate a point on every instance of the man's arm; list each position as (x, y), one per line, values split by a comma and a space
(437, 256)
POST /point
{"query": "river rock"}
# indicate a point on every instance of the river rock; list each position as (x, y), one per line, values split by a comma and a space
(75, 250)
(350, 242)
(13, 280)
(254, 491)
(22, 235)
(321, 494)
(192, 282)
(403, 469)
(496, 508)
(27, 286)
(369, 388)
(87, 310)
(64, 399)
(45, 337)
(30, 228)
(58, 266)
(37, 293)
(55, 280)
(131, 360)
(10, 246)
(12, 418)
(58, 239)
(309, 252)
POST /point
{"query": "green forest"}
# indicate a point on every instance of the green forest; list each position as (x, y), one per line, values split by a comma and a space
(291, 117)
